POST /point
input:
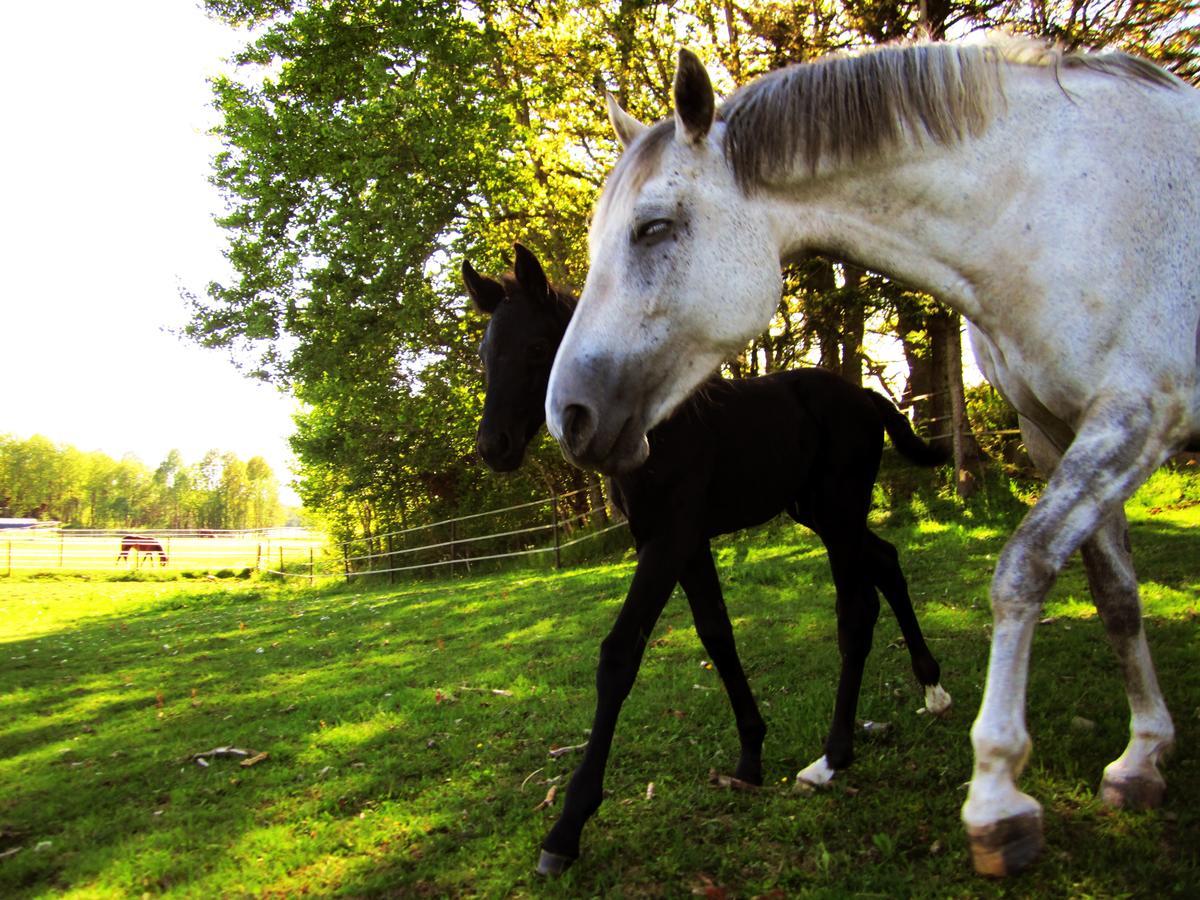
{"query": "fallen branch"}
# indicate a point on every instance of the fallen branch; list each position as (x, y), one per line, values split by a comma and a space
(254, 760)
(550, 795)
(729, 782)
(499, 692)
(556, 752)
(201, 759)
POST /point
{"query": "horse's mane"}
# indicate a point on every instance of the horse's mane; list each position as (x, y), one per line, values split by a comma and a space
(843, 108)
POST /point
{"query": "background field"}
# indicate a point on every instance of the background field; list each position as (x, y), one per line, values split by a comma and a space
(408, 731)
(98, 553)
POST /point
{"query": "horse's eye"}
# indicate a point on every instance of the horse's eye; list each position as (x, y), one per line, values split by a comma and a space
(652, 231)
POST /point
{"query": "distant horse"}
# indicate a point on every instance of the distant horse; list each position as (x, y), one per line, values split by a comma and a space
(1051, 198)
(736, 454)
(141, 544)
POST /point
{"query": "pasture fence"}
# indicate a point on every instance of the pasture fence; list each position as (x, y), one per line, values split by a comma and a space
(182, 550)
(468, 544)
(545, 528)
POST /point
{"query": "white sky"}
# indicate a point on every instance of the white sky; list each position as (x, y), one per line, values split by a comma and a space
(105, 211)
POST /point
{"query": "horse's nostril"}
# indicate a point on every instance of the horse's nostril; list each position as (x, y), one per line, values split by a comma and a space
(579, 427)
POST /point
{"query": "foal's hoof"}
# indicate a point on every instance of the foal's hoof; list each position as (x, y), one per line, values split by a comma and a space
(552, 864)
(1008, 846)
(1138, 792)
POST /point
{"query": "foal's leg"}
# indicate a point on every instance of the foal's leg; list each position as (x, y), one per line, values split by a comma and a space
(699, 581)
(1120, 443)
(889, 578)
(1132, 781)
(857, 612)
(659, 564)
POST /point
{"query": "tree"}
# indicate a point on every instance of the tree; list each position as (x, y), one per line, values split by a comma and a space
(368, 146)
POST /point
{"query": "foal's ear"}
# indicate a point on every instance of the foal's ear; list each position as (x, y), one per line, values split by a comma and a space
(695, 105)
(626, 126)
(530, 274)
(485, 293)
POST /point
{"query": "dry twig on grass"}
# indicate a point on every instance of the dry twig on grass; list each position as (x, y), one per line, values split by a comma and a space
(556, 752)
(729, 782)
(549, 801)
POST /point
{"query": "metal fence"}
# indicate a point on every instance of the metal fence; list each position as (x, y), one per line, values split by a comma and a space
(542, 528)
(109, 550)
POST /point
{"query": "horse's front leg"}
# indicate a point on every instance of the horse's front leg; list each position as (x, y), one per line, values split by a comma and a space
(1119, 444)
(658, 568)
(703, 588)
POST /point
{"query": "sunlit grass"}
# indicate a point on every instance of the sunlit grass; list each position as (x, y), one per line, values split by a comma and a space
(407, 731)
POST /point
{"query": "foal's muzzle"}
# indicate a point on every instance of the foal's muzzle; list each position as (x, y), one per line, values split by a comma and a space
(499, 451)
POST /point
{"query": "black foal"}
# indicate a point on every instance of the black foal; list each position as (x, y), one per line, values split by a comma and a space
(736, 454)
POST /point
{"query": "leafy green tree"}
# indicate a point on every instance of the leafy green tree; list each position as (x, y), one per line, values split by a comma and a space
(367, 146)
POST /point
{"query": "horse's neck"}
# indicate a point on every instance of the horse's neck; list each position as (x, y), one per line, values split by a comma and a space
(564, 306)
(966, 222)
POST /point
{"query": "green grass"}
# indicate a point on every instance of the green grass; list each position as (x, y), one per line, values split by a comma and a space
(394, 769)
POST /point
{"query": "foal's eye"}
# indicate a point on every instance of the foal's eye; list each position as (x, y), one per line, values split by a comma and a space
(652, 231)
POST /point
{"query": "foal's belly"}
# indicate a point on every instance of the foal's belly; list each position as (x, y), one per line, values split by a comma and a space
(745, 502)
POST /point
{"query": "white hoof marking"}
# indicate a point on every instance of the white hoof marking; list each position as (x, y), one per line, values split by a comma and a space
(937, 701)
(818, 774)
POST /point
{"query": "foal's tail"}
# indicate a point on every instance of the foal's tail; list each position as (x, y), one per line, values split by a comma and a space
(904, 439)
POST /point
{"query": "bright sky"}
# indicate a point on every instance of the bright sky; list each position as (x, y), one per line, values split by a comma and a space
(106, 212)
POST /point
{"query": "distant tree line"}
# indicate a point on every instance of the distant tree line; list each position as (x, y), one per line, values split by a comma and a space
(368, 147)
(43, 480)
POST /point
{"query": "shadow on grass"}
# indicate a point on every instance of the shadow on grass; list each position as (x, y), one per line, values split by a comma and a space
(396, 768)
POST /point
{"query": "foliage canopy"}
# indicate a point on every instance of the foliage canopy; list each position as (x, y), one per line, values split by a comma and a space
(369, 146)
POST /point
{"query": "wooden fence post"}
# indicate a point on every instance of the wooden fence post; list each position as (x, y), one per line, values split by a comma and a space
(453, 532)
(346, 562)
(391, 565)
(281, 572)
(554, 515)
(258, 558)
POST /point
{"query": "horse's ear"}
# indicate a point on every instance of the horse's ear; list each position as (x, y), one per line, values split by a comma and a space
(530, 274)
(485, 293)
(695, 104)
(626, 126)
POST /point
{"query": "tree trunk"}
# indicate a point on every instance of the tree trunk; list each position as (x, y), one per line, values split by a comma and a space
(596, 499)
(854, 325)
(968, 456)
(824, 323)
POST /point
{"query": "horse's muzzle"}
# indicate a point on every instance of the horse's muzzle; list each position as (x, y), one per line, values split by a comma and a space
(597, 423)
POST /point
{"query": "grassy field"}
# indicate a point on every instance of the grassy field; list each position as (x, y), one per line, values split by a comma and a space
(97, 555)
(408, 729)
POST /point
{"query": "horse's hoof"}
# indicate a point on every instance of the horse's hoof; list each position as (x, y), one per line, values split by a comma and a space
(1008, 846)
(551, 865)
(1138, 792)
(937, 700)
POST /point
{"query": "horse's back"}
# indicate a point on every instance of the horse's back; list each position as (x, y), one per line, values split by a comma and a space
(1092, 284)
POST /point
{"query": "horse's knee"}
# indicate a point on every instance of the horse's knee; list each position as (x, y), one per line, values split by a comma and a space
(1024, 573)
(617, 668)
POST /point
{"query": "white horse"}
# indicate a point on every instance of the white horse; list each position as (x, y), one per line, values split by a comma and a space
(1053, 199)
